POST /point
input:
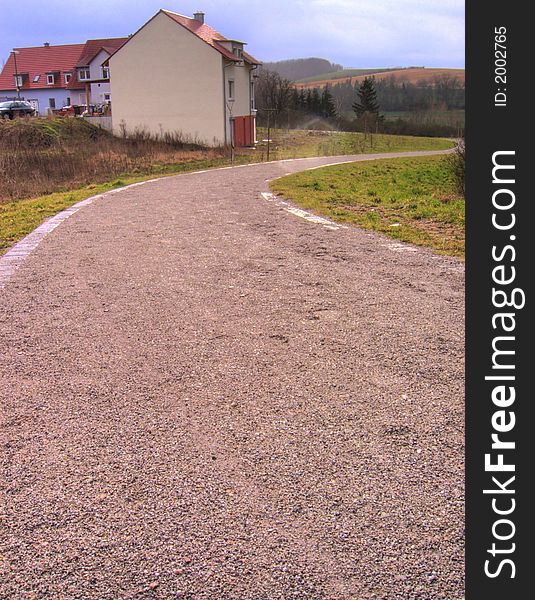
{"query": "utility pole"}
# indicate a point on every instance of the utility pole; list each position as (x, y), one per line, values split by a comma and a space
(269, 111)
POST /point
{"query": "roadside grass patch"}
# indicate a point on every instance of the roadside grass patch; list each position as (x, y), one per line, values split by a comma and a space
(409, 199)
(302, 143)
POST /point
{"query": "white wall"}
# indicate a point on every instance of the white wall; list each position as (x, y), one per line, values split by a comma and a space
(165, 78)
(98, 90)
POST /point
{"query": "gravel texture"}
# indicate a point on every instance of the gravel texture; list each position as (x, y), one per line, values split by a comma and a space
(205, 396)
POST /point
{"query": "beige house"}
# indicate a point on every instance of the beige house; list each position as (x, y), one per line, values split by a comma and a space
(177, 74)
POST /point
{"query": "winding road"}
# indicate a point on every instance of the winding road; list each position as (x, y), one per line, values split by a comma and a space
(207, 394)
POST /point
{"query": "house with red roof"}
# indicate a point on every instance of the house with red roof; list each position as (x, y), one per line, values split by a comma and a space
(92, 70)
(177, 74)
(50, 77)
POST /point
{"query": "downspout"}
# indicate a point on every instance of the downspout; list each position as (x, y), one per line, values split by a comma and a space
(251, 81)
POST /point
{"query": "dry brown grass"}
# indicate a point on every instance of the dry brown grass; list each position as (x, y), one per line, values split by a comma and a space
(41, 156)
(413, 76)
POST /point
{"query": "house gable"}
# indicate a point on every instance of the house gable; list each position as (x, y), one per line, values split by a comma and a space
(164, 77)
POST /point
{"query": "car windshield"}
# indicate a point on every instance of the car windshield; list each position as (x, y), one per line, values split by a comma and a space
(5, 104)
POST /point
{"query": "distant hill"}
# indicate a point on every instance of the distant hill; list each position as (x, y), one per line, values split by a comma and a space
(408, 75)
(301, 68)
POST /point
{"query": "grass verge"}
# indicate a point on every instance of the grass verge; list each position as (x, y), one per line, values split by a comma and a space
(409, 199)
(303, 143)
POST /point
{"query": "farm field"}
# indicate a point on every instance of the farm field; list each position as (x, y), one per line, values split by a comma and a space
(409, 199)
(410, 75)
(344, 74)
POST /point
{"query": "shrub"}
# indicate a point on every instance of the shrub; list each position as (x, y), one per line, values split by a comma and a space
(457, 163)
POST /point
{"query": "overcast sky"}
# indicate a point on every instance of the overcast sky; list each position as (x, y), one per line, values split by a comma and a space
(354, 33)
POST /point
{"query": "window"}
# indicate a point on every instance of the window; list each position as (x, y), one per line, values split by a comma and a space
(83, 75)
(50, 79)
(68, 101)
(18, 80)
(237, 51)
(107, 97)
(252, 96)
(105, 72)
(230, 89)
(66, 78)
(36, 78)
(52, 102)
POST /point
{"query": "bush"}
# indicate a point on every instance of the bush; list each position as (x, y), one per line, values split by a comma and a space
(457, 163)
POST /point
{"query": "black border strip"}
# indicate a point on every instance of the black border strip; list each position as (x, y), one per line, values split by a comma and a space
(498, 124)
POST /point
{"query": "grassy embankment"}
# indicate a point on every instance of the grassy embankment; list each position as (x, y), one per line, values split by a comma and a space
(409, 199)
(47, 165)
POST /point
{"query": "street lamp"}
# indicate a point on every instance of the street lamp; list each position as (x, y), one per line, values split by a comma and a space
(15, 52)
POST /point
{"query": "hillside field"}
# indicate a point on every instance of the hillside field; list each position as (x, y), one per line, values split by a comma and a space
(410, 75)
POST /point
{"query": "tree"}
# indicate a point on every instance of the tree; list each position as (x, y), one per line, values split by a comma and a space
(272, 92)
(328, 107)
(367, 99)
(367, 107)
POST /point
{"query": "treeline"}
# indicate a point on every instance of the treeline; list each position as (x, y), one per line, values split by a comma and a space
(300, 68)
(333, 106)
(285, 106)
(396, 95)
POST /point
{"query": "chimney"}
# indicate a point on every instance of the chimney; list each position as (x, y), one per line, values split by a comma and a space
(46, 44)
(199, 16)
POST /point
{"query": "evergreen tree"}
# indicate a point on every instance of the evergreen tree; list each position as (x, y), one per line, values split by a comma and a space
(328, 108)
(367, 99)
(308, 101)
(315, 102)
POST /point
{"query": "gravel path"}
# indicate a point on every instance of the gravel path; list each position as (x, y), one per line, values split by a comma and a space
(205, 396)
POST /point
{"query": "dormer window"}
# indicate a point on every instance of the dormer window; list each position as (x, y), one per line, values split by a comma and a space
(83, 75)
(66, 77)
(237, 51)
(18, 80)
(105, 72)
(50, 79)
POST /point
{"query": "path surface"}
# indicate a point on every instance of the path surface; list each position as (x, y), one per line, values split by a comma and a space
(205, 396)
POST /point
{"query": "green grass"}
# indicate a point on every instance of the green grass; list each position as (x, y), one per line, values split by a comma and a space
(303, 143)
(408, 199)
(455, 117)
(20, 217)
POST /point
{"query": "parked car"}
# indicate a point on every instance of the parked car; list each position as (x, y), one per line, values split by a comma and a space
(15, 108)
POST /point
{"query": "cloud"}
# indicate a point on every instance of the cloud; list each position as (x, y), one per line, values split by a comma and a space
(359, 33)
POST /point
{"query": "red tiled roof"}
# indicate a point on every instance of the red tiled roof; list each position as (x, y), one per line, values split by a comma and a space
(207, 34)
(40, 61)
(93, 47)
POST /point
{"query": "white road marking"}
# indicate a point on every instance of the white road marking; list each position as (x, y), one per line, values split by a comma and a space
(303, 214)
(334, 164)
(400, 247)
